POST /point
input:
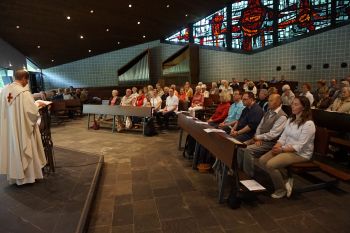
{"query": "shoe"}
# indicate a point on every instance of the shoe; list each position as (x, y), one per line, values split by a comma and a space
(279, 193)
(289, 186)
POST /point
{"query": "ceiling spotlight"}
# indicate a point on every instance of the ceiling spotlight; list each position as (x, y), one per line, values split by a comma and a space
(167, 6)
(68, 17)
(38, 46)
(89, 50)
(138, 22)
(81, 37)
(17, 26)
(186, 15)
(92, 11)
(118, 42)
(144, 36)
(52, 60)
(107, 29)
(130, 5)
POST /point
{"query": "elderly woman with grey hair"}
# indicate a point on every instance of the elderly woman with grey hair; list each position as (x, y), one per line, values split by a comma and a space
(342, 103)
(287, 95)
(204, 91)
(214, 89)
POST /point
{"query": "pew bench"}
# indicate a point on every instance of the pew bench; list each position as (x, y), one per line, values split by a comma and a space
(312, 170)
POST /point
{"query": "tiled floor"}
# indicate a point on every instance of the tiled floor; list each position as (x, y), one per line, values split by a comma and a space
(147, 186)
(52, 205)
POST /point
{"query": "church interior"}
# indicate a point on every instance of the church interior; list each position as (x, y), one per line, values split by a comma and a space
(174, 116)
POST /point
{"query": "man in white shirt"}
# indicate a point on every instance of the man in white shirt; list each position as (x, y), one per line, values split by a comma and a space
(305, 91)
(172, 102)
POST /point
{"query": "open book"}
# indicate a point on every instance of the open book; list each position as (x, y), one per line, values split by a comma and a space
(42, 103)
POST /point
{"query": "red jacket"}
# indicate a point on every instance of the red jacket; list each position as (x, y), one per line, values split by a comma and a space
(139, 100)
(221, 112)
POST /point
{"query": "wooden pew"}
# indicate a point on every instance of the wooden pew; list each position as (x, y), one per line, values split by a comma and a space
(221, 145)
(74, 105)
(116, 111)
(336, 123)
(59, 111)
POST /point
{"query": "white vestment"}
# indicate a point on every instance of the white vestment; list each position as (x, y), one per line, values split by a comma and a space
(21, 150)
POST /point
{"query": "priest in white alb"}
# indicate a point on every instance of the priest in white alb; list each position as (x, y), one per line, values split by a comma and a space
(22, 154)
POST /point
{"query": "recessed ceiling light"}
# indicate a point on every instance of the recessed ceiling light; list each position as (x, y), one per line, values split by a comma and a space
(17, 26)
(186, 15)
(68, 17)
(92, 11)
(81, 37)
(144, 36)
(130, 5)
(89, 50)
(167, 6)
(118, 42)
(38, 46)
(138, 22)
(107, 29)
(52, 60)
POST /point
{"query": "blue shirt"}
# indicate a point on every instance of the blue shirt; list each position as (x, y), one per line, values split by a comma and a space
(234, 112)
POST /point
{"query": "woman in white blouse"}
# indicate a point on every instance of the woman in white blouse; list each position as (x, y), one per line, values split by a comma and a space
(296, 144)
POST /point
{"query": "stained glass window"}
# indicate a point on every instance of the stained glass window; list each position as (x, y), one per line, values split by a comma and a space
(181, 36)
(252, 22)
(298, 17)
(342, 10)
(211, 30)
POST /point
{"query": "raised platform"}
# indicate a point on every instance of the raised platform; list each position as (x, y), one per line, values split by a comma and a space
(57, 204)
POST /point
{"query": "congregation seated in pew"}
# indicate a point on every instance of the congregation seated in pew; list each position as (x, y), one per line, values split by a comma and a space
(267, 133)
(342, 103)
(221, 110)
(287, 95)
(171, 106)
(306, 91)
(323, 101)
(295, 145)
(262, 99)
(244, 129)
(234, 112)
(197, 101)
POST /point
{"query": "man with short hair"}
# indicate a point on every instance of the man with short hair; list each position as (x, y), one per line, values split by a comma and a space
(22, 154)
(235, 84)
(263, 97)
(171, 104)
(244, 129)
(267, 133)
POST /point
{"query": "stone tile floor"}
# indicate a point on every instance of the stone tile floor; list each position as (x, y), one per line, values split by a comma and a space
(147, 186)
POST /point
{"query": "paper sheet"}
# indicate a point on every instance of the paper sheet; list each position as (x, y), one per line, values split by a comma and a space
(214, 130)
(252, 185)
(235, 140)
(202, 122)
